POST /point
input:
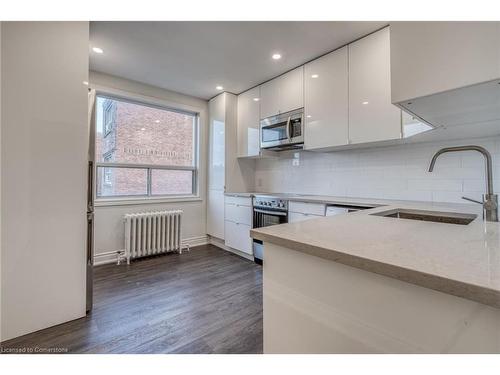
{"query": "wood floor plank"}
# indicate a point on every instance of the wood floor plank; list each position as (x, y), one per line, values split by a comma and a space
(204, 301)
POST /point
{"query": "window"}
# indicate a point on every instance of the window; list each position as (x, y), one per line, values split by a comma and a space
(152, 151)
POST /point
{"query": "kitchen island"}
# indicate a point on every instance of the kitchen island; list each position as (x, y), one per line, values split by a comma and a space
(364, 283)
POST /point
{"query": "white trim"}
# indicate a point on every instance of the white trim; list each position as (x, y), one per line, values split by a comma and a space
(107, 257)
(143, 200)
(221, 245)
(195, 241)
(145, 99)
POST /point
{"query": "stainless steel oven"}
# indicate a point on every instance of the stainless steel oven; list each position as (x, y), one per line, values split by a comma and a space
(267, 211)
(284, 131)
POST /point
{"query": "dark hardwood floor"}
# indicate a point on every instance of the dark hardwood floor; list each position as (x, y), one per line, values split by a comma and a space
(203, 301)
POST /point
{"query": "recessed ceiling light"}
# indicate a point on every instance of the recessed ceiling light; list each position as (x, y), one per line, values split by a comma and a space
(308, 116)
(315, 76)
(256, 99)
(365, 103)
(157, 121)
(85, 83)
(97, 50)
(143, 129)
(276, 56)
(219, 88)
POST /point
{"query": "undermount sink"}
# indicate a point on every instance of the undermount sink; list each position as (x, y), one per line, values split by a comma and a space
(434, 216)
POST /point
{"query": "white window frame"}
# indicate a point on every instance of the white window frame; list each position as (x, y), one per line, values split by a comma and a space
(149, 197)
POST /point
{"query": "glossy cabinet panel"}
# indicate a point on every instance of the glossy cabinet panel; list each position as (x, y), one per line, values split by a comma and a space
(282, 94)
(216, 167)
(295, 217)
(238, 214)
(238, 237)
(269, 98)
(372, 117)
(307, 208)
(292, 90)
(432, 57)
(248, 123)
(326, 85)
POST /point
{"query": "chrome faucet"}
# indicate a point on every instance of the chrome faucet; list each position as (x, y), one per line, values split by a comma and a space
(490, 200)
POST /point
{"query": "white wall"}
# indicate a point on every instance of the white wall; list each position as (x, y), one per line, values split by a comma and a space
(44, 154)
(109, 227)
(398, 172)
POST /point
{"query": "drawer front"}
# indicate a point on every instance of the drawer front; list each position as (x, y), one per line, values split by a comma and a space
(242, 201)
(238, 214)
(307, 208)
(238, 237)
(295, 217)
(332, 211)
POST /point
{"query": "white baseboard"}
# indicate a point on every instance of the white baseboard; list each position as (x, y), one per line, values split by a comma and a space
(220, 244)
(107, 257)
(195, 241)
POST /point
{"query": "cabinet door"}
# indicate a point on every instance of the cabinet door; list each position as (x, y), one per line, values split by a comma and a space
(307, 208)
(238, 214)
(248, 123)
(215, 213)
(372, 117)
(326, 96)
(291, 92)
(269, 98)
(295, 217)
(238, 237)
(432, 57)
(217, 143)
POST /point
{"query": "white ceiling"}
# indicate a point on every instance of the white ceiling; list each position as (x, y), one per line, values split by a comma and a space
(193, 57)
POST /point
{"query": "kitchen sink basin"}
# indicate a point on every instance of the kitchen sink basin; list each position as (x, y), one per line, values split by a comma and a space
(434, 216)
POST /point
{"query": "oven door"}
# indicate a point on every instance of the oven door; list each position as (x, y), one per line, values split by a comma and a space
(264, 218)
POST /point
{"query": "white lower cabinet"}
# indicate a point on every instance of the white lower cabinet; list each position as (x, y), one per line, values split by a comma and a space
(295, 217)
(238, 222)
(238, 236)
(301, 211)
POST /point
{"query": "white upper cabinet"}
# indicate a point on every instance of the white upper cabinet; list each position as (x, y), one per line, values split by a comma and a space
(248, 123)
(292, 90)
(269, 98)
(372, 117)
(282, 94)
(326, 86)
(432, 57)
(448, 74)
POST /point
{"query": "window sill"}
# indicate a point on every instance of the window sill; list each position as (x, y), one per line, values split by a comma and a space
(142, 201)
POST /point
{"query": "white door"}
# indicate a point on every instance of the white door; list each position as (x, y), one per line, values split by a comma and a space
(248, 123)
(216, 167)
(372, 117)
(269, 98)
(238, 237)
(291, 94)
(326, 101)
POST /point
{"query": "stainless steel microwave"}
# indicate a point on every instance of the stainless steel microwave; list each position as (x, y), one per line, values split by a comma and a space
(284, 131)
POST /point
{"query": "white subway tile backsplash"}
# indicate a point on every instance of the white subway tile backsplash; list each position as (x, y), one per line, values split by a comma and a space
(436, 184)
(398, 172)
(475, 185)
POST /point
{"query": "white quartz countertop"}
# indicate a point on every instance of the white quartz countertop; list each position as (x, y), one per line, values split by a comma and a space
(462, 260)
